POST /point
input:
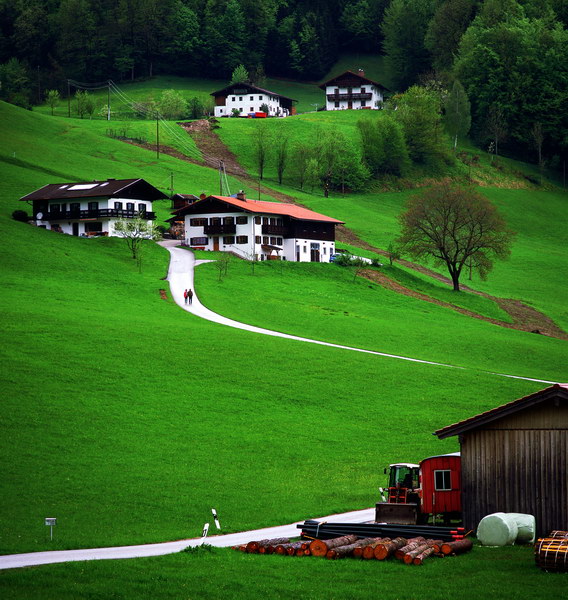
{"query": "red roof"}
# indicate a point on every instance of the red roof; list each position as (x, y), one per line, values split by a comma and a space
(259, 206)
(558, 389)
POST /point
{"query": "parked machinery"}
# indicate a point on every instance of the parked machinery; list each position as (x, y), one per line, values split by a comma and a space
(417, 492)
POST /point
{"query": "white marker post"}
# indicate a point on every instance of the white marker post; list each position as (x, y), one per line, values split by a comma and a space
(50, 522)
(217, 524)
(204, 533)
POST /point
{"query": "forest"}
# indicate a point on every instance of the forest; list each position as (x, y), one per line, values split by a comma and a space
(510, 56)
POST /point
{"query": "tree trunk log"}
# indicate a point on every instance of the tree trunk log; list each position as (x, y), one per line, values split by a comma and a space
(348, 549)
(411, 554)
(457, 547)
(418, 560)
(388, 548)
(321, 547)
(413, 543)
(367, 551)
(252, 547)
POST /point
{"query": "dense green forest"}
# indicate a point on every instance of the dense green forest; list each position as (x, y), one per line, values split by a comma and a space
(510, 56)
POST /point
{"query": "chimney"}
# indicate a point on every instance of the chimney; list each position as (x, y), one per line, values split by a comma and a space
(241, 195)
(202, 196)
(361, 72)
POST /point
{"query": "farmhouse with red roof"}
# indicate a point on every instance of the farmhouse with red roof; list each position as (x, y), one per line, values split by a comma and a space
(259, 230)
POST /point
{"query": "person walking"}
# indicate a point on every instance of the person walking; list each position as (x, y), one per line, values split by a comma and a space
(185, 296)
(190, 296)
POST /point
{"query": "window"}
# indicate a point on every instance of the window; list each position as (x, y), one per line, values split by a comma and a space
(95, 206)
(93, 227)
(273, 241)
(242, 239)
(279, 241)
(129, 206)
(118, 205)
(265, 220)
(233, 98)
(280, 222)
(229, 239)
(257, 221)
(257, 239)
(54, 208)
(336, 104)
(305, 250)
(240, 98)
(241, 109)
(272, 221)
(260, 97)
(75, 207)
(63, 206)
(363, 103)
(197, 222)
(198, 241)
(265, 239)
(442, 480)
(242, 220)
(252, 97)
(220, 111)
(229, 220)
(215, 221)
(142, 209)
(336, 91)
(363, 90)
(252, 109)
(324, 250)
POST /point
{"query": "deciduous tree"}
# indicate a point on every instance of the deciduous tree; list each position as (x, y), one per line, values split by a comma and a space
(456, 227)
(458, 112)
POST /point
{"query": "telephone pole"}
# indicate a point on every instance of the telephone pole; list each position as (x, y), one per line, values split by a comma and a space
(157, 135)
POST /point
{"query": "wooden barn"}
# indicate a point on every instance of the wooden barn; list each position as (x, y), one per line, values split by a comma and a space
(515, 459)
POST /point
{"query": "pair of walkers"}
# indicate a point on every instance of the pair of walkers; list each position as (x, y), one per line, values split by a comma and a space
(188, 296)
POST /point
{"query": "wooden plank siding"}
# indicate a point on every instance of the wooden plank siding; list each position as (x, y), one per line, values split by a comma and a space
(516, 470)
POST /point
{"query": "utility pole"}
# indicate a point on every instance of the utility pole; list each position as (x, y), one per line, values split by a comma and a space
(68, 99)
(316, 105)
(38, 87)
(108, 101)
(221, 167)
(171, 184)
(157, 135)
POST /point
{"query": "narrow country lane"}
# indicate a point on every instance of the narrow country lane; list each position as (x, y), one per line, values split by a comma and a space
(181, 277)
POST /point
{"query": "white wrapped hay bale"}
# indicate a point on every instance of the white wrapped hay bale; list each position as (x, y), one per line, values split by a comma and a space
(504, 529)
(498, 529)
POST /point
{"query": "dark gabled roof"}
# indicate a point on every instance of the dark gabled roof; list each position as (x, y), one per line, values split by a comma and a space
(558, 390)
(361, 78)
(251, 87)
(259, 206)
(94, 189)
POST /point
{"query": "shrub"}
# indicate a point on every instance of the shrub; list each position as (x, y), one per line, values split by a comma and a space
(20, 215)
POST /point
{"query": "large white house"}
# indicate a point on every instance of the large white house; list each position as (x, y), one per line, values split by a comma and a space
(247, 99)
(259, 230)
(353, 90)
(91, 208)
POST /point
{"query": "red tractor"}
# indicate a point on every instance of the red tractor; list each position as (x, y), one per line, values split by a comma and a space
(415, 492)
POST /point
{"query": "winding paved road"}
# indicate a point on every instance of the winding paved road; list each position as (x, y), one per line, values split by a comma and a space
(181, 277)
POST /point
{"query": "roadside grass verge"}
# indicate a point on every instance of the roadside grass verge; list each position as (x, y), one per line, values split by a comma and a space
(498, 573)
(329, 303)
(128, 419)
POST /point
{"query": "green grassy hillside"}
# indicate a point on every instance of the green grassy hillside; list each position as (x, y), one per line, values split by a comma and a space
(128, 419)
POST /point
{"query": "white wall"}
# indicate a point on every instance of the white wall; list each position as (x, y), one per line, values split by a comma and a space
(244, 104)
(377, 97)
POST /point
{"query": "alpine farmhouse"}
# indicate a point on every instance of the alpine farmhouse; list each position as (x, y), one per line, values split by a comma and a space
(247, 99)
(353, 90)
(259, 230)
(92, 208)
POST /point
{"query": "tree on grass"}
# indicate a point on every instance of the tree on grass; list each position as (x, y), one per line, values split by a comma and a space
(172, 105)
(240, 75)
(261, 143)
(52, 98)
(458, 112)
(457, 227)
(134, 232)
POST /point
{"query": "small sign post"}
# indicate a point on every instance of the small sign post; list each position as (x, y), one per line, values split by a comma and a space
(50, 522)
(204, 533)
(215, 516)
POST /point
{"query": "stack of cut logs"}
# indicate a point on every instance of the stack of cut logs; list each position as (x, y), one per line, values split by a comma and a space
(411, 551)
(551, 553)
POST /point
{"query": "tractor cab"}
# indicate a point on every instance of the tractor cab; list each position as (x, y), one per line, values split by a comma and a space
(403, 480)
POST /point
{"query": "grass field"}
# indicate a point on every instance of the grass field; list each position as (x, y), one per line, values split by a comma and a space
(128, 419)
(498, 573)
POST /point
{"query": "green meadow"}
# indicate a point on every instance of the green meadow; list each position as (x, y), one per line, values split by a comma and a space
(129, 419)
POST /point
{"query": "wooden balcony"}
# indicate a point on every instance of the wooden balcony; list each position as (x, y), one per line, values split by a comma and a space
(101, 213)
(280, 230)
(220, 229)
(352, 96)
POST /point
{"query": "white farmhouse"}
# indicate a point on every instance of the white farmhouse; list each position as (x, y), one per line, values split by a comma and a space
(248, 99)
(259, 230)
(92, 208)
(353, 90)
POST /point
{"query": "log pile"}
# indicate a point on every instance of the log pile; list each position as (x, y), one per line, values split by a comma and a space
(551, 553)
(410, 551)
